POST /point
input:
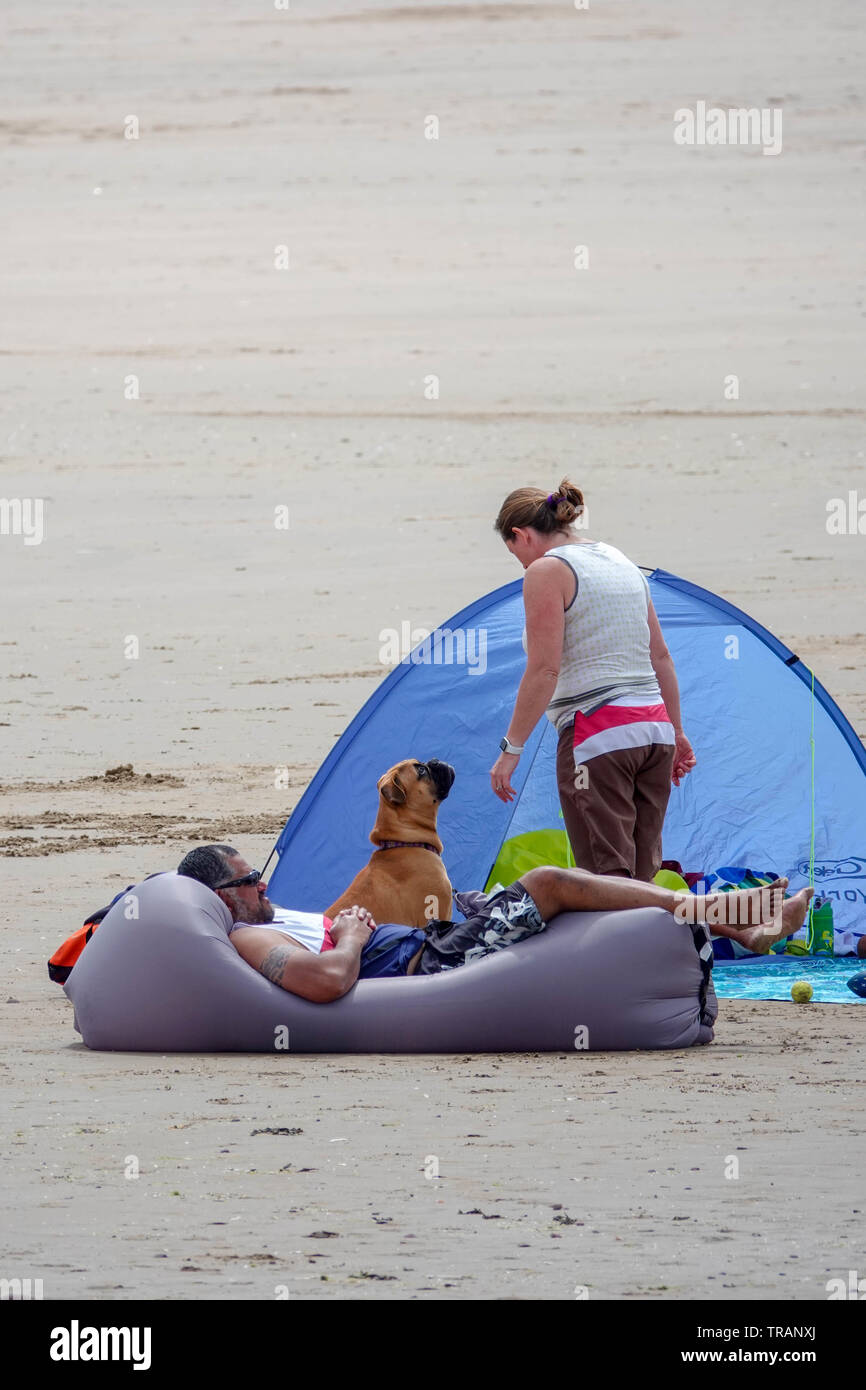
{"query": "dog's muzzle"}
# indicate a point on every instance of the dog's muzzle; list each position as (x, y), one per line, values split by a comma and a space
(442, 775)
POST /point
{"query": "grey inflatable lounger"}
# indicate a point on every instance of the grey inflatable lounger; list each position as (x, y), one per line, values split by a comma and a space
(160, 975)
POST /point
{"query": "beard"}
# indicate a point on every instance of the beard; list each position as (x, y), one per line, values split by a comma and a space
(252, 916)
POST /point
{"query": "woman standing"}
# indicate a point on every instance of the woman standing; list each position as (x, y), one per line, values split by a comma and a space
(598, 665)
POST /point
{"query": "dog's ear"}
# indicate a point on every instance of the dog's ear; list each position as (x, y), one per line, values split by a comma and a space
(393, 790)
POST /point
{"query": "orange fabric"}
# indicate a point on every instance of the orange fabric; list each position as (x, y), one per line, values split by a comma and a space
(61, 963)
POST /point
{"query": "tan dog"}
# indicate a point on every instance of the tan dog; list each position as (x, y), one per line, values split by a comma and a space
(405, 880)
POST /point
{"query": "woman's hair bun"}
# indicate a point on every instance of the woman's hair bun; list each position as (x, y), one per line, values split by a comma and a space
(546, 512)
(566, 503)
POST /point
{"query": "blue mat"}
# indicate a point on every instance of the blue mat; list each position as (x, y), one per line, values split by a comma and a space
(762, 978)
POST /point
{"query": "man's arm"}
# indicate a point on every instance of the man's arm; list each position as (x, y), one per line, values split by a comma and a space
(319, 978)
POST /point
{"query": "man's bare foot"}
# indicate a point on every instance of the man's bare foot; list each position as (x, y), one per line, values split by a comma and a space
(789, 920)
(742, 907)
(795, 909)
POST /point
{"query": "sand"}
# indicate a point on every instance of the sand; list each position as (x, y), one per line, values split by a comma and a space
(166, 388)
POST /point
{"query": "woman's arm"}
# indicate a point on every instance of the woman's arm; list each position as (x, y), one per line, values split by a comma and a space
(547, 588)
(663, 665)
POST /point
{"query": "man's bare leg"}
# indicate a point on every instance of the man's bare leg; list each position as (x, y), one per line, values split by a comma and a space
(776, 917)
(770, 918)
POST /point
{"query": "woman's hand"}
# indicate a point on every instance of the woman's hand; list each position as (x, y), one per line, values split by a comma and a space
(684, 759)
(500, 776)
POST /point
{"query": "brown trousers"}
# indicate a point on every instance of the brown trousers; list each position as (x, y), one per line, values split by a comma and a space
(614, 822)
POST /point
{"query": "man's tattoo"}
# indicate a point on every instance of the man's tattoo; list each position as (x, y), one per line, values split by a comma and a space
(275, 962)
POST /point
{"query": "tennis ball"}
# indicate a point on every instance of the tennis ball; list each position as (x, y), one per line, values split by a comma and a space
(801, 992)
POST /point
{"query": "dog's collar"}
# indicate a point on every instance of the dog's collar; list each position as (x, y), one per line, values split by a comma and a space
(406, 844)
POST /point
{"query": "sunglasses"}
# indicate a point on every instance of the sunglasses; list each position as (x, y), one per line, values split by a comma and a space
(253, 877)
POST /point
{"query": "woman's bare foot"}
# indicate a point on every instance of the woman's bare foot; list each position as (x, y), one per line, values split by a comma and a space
(789, 920)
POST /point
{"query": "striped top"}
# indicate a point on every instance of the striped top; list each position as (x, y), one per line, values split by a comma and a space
(607, 685)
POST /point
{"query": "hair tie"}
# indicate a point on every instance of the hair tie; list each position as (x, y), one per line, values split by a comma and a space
(553, 499)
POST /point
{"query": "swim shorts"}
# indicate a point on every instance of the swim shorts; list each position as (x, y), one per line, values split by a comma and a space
(493, 922)
(389, 950)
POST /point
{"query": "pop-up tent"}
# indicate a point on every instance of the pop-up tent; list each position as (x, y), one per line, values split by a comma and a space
(750, 708)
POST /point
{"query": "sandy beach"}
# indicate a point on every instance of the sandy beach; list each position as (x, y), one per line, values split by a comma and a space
(168, 385)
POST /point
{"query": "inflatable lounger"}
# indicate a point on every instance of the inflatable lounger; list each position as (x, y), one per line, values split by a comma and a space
(160, 975)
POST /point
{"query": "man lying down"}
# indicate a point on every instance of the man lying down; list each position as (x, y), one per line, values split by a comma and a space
(319, 959)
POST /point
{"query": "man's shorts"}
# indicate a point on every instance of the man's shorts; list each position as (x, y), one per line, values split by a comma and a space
(493, 922)
(389, 950)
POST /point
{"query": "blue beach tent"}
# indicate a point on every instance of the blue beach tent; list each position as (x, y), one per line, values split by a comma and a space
(749, 708)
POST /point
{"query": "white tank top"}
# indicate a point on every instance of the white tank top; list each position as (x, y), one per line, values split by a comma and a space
(306, 927)
(606, 643)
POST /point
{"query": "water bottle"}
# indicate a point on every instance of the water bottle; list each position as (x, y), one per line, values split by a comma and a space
(821, 939)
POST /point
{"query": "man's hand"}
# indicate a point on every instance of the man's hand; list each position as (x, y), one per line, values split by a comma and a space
(684, 759)
(352, 923)
(320, 978)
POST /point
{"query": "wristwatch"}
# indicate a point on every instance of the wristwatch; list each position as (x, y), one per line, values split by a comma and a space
(510, 747)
